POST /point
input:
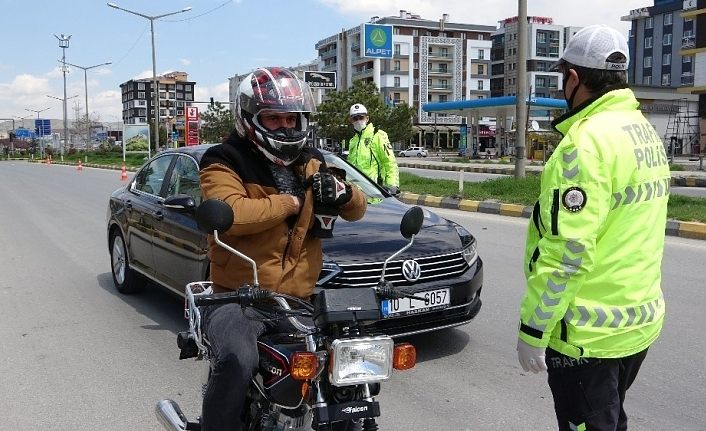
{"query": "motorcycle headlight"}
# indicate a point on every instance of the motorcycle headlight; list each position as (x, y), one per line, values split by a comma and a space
(361, 360)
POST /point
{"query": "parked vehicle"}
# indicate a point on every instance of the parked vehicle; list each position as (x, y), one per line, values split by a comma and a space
(152, 236)
(413, 152)
(322, 376)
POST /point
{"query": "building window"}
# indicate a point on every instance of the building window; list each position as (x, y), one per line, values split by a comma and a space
(398, 49)
(481, 69)
(647, 62)
(647, 80)
(396, 30)
(481, 36)
(140, 85)
(686, 59)
(649, 22)
(667, 39)
(541, 37)
(666, 59)
(648, 42)
(666, 77)
(480, 96)
(415, 32)
(668, 18)
(141, 95)
(481, 54)
(397, 81)
(396, 98)
(444, 52)
(443, 98)
(480, 84)
(397, 65)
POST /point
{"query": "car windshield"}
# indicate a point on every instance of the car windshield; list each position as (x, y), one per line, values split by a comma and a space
(354, 176)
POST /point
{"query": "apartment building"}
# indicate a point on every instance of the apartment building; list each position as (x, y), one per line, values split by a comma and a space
(433, 61)
(546, 42)
(667, 52)
(175, 93)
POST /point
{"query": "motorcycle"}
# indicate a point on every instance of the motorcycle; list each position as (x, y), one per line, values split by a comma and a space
(320, 377)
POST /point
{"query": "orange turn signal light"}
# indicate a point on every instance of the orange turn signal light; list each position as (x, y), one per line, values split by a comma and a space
(404, 356)
(304, 365)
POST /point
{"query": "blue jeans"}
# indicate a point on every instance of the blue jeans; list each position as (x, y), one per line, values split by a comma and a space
(233, 336)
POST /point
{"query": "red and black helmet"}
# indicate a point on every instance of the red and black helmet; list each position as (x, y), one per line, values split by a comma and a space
(274, 89)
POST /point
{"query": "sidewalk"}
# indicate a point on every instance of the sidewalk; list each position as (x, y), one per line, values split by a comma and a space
(674, 228)
(679, 178)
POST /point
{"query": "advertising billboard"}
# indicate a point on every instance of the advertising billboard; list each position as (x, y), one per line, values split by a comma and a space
(191, 131)
(377, 41)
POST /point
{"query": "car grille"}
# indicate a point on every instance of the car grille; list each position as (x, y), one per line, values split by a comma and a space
(433, 268)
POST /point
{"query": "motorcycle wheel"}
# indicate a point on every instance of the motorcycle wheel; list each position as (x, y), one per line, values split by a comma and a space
(126, 280)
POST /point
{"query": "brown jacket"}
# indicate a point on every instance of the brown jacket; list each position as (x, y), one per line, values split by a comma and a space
(288, 260)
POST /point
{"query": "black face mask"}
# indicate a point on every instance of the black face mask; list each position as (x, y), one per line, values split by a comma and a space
(570, 100)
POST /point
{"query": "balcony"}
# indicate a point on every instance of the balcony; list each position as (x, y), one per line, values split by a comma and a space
(441, 88)
(439, 71)
(441, 56)
(362, 73)
(327, 54)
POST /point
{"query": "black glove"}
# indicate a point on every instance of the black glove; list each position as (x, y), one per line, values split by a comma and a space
(329, 190)
(324, 218)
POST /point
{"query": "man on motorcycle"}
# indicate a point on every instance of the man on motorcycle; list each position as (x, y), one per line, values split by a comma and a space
(284, 200)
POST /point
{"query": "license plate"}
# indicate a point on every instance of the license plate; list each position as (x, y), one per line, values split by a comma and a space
(426, 301)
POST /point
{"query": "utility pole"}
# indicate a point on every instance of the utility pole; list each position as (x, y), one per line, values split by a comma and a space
(521, 111)
(63, 44)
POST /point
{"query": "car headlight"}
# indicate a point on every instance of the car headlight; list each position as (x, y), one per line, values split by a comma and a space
(470, 254)
(361, 360)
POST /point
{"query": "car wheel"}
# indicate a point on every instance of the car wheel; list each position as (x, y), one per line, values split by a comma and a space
(401, 155)
(419, 154)
(125, 278)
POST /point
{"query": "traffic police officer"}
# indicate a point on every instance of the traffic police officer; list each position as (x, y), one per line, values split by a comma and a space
(370, 151)
(593, 302)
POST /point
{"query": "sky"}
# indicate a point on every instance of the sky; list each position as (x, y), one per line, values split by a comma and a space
(215, 40)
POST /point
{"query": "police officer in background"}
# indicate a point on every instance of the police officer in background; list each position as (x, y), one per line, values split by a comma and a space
(593, 302)
(370, 151)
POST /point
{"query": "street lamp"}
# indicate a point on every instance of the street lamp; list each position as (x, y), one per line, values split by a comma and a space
(63, 44)
(85, 85)
(85, 78)
(155, 86)
(66, 123)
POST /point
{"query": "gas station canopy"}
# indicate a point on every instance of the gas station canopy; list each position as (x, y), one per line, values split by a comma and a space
(503, 106)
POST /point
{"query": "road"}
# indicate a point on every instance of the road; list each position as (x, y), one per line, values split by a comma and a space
(76, 355)
(473, 177)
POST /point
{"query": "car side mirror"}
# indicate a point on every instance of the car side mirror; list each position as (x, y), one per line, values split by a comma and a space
(214, 214)
(180, 203)
(412, 222)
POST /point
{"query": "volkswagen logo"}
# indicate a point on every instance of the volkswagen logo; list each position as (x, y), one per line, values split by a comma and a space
(411, 270)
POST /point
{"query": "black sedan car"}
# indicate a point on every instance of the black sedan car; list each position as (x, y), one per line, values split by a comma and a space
(152, 236)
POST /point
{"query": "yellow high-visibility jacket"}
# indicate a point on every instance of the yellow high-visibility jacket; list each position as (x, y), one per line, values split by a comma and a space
(596, 236)
(370, 151)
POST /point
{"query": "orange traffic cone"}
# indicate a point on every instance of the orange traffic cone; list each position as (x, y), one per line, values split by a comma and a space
(123, 173)
(79, 167)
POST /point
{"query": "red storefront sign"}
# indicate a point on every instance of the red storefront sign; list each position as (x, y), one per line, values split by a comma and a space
(192, 126)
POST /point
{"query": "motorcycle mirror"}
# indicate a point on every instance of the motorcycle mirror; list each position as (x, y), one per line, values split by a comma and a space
(214, 214)
(412, 222)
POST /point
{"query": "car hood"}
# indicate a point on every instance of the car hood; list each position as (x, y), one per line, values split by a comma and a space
(380, 237)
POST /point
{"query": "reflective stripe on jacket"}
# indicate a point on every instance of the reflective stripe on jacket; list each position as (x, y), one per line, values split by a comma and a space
(371, 152)
(596, 236)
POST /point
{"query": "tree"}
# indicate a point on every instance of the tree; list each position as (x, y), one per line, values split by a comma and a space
(217, 124)
(332, 115)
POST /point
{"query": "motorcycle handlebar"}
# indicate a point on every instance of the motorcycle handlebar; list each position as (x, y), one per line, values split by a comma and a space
(244, 296)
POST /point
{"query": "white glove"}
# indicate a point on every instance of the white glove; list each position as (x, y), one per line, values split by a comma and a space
(531, 358)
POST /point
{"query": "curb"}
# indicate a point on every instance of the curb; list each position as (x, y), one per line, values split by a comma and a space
(677, 180)
(681, 229)
(674, 228)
